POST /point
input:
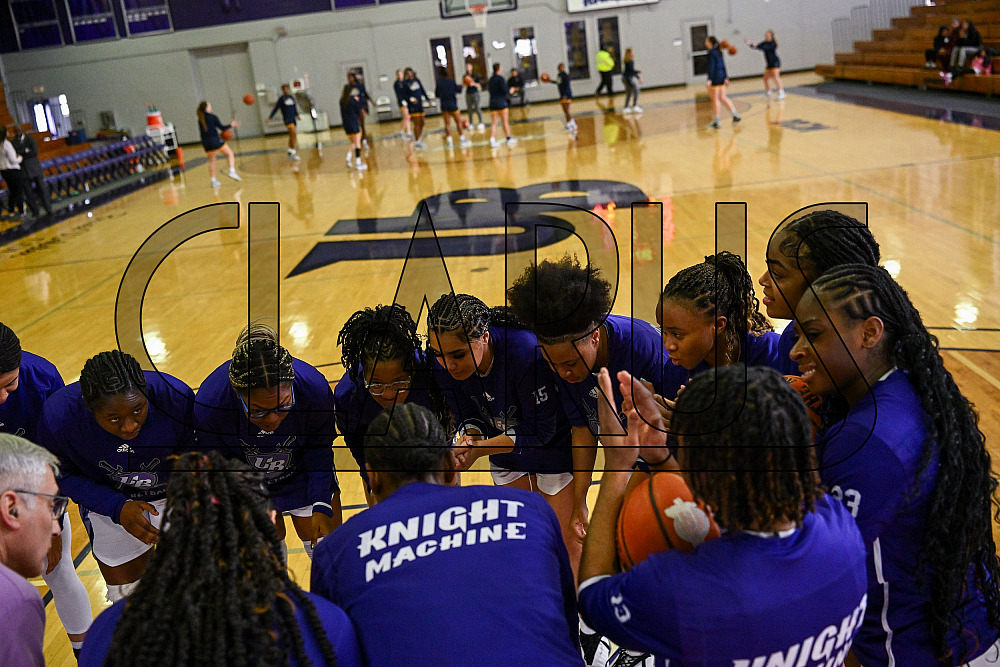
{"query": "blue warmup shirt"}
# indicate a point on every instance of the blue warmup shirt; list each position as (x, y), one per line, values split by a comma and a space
(498, 92)
(741, 600)
(871, 460)
(635, 346)
(565, 92)
(517, 398)
(335, 623)
(101, 471)
(356, 409)
(415, 95)
(399, 87)
(289, 112)
(443, 576)
(447, 91)
(350, 115)
(770, 50)
(210, 139)
(716, 67)
(37, 380)
(760, 350)
(296, 458)
(784, 363)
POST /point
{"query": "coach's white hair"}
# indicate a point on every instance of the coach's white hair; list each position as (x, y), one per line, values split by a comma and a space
(23, 463)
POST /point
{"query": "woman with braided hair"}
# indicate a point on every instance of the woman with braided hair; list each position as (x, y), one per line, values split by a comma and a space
(447, 576)
(217, 591)
(113, 432)
(276, 413)
(503, 394)
(709, 316)
(902, 449)
(799, 252)
(26, 382)
(784, 584)
(386, 366)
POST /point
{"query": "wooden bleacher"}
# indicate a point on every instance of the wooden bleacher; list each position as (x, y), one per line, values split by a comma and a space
(896, 56)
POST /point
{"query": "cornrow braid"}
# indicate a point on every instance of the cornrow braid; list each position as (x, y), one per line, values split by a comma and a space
(10, 349)
(721, 286)
(747, 447)
(822, 240)
(560, 301)
(406, 440)
(109, 374)
(384, 333)
(958, 525)
(468, 317)
(258, 361)
(217, 579)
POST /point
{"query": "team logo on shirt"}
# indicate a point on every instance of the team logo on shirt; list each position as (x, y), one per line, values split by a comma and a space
(145, 479)
(506, 420)
(274, 462)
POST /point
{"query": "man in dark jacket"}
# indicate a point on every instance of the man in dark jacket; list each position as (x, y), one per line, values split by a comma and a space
(31, 169)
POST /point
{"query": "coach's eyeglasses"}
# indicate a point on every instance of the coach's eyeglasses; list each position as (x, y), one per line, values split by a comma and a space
(260, 414)
(59, 503)
(376, 389)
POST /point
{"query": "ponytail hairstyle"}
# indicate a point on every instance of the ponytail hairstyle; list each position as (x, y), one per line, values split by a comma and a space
(345, 94)
(110, 374)
(713, 41)
(408, 442)
(467, 317)
(216, 579)
(560, 301)
(258, 361)
(202, 108)
(721, 286)
(10, 350)
(747, 447)
(958, 533)
(821, 240)
(388, 333)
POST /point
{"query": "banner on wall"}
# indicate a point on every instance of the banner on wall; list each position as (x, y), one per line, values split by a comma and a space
(591, 5)
(188, 14)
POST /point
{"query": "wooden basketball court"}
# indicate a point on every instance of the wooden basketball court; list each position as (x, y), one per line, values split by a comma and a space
(932, 190)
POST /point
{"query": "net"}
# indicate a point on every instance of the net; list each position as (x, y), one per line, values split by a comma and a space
(479, 15)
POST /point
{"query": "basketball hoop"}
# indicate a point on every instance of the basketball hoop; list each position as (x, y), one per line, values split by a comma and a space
(479, 15)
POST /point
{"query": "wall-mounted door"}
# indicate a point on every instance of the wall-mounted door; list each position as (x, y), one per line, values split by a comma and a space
(224, 75)
(695, 53)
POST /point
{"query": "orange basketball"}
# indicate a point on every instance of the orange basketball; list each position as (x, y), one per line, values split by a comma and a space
(249, 99)
(545, 77)
(812, 401)
(661, 514)
(468, 80)
(226, 135)
(724, 45)
(732, 50)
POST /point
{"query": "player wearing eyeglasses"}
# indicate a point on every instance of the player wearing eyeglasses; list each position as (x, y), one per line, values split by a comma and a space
(276, 413)
(30, 512)
(385, 366)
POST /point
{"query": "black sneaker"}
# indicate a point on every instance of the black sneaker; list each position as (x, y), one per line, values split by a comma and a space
(623, 658)
(596, 649)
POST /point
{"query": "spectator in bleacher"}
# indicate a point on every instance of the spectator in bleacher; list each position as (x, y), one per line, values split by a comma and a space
(515, 87)
(941, 41)
(969, 42)
(944, 54)
(10, 169)
(982, 63)
(31, 171)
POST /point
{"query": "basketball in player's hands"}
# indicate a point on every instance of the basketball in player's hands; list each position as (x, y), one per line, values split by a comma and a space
(812, 401)
(226, 135)
(468, 80)
(724, 45)
(249, 99)
(661, 514)
(545, 77)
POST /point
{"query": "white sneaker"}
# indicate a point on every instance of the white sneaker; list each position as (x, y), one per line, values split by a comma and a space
(233, 175)
(450, 141)
(359, 165)
(296, 157)
(511, 142)
(419, 143)
(627, 110)
(637, 109)
(480, 128)
(572, 125)
(350, 161)
(464, 142)
(494, 143)
(364, 143)
(767, 94)
(781, 94)
(215, 183)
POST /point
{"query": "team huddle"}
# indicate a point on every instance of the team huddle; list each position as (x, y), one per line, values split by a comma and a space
(863, 529)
